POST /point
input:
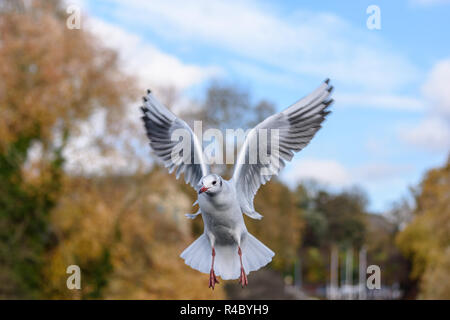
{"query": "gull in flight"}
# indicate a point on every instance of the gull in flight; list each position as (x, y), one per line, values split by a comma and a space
(226, 248)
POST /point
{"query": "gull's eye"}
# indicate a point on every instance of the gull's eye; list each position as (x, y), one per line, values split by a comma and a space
(214, 182)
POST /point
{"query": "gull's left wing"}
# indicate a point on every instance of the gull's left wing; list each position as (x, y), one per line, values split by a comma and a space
(294, 128)
(161, 125)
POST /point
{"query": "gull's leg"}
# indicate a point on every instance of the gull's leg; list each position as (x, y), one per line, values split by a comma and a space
(212, 276)
(243, 278)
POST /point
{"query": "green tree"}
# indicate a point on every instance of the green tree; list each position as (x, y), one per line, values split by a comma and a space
(345, 216)
(330, 219)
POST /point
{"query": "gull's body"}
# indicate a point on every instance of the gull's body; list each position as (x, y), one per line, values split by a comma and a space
(225, 231)
(222, 215)
(226, 248)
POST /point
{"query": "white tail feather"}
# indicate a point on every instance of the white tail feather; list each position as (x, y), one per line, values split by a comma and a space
(198, 251)
(226, 264)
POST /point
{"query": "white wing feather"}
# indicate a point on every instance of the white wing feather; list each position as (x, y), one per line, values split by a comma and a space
(160, 123)
(296, 126)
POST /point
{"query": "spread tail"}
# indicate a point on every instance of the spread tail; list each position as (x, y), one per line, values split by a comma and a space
(255, 255)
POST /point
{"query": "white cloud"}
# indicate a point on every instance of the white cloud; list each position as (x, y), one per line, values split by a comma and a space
(432, 134)
(151, 66)
(332, 173)
(376, 172)
(308, 43)
(437, 88)
(327, 172)
(383, 180)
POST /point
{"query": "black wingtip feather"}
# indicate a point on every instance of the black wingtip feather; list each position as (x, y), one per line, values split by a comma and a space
(327, 80)
(330, 89)
(144, 109)
(327, 103)
(145, 99)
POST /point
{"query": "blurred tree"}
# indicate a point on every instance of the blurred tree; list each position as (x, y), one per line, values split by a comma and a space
(330, 219)
(426, 240)
(314, 266)
(402, 212)
(317, 228)
(223, 106)
(263, 110)
(382, 251)
(51, 78)
(345, 215)
(281, 228)
(135, 252)
(316, 223)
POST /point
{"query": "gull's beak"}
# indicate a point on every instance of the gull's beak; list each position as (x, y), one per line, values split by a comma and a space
(202, 189)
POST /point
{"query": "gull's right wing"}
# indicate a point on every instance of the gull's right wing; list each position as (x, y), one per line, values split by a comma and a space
(185, 156)
(296, 126)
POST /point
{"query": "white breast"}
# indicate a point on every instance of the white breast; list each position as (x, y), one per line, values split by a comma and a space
(222, 209)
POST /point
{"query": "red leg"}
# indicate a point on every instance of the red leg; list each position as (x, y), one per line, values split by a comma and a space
(212, 276)
(243, 278)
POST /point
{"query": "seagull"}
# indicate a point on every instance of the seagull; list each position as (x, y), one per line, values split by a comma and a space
(226, 248)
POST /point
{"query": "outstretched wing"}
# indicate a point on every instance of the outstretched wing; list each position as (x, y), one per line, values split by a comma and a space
(184, 156)
(295, 127)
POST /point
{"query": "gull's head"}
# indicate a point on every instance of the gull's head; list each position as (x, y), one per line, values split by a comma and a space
(212, 183)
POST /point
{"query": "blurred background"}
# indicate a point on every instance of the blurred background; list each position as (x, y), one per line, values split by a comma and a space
(80, 186)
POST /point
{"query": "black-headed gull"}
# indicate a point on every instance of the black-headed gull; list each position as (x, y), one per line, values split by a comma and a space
(226, 248)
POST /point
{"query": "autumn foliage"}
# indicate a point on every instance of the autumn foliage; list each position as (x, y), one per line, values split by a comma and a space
(52, 79)
(426, 241)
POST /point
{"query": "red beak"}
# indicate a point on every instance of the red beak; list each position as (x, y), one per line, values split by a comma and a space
(202, 189)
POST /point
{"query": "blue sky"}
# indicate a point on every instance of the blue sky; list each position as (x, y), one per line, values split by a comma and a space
(391, 117)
